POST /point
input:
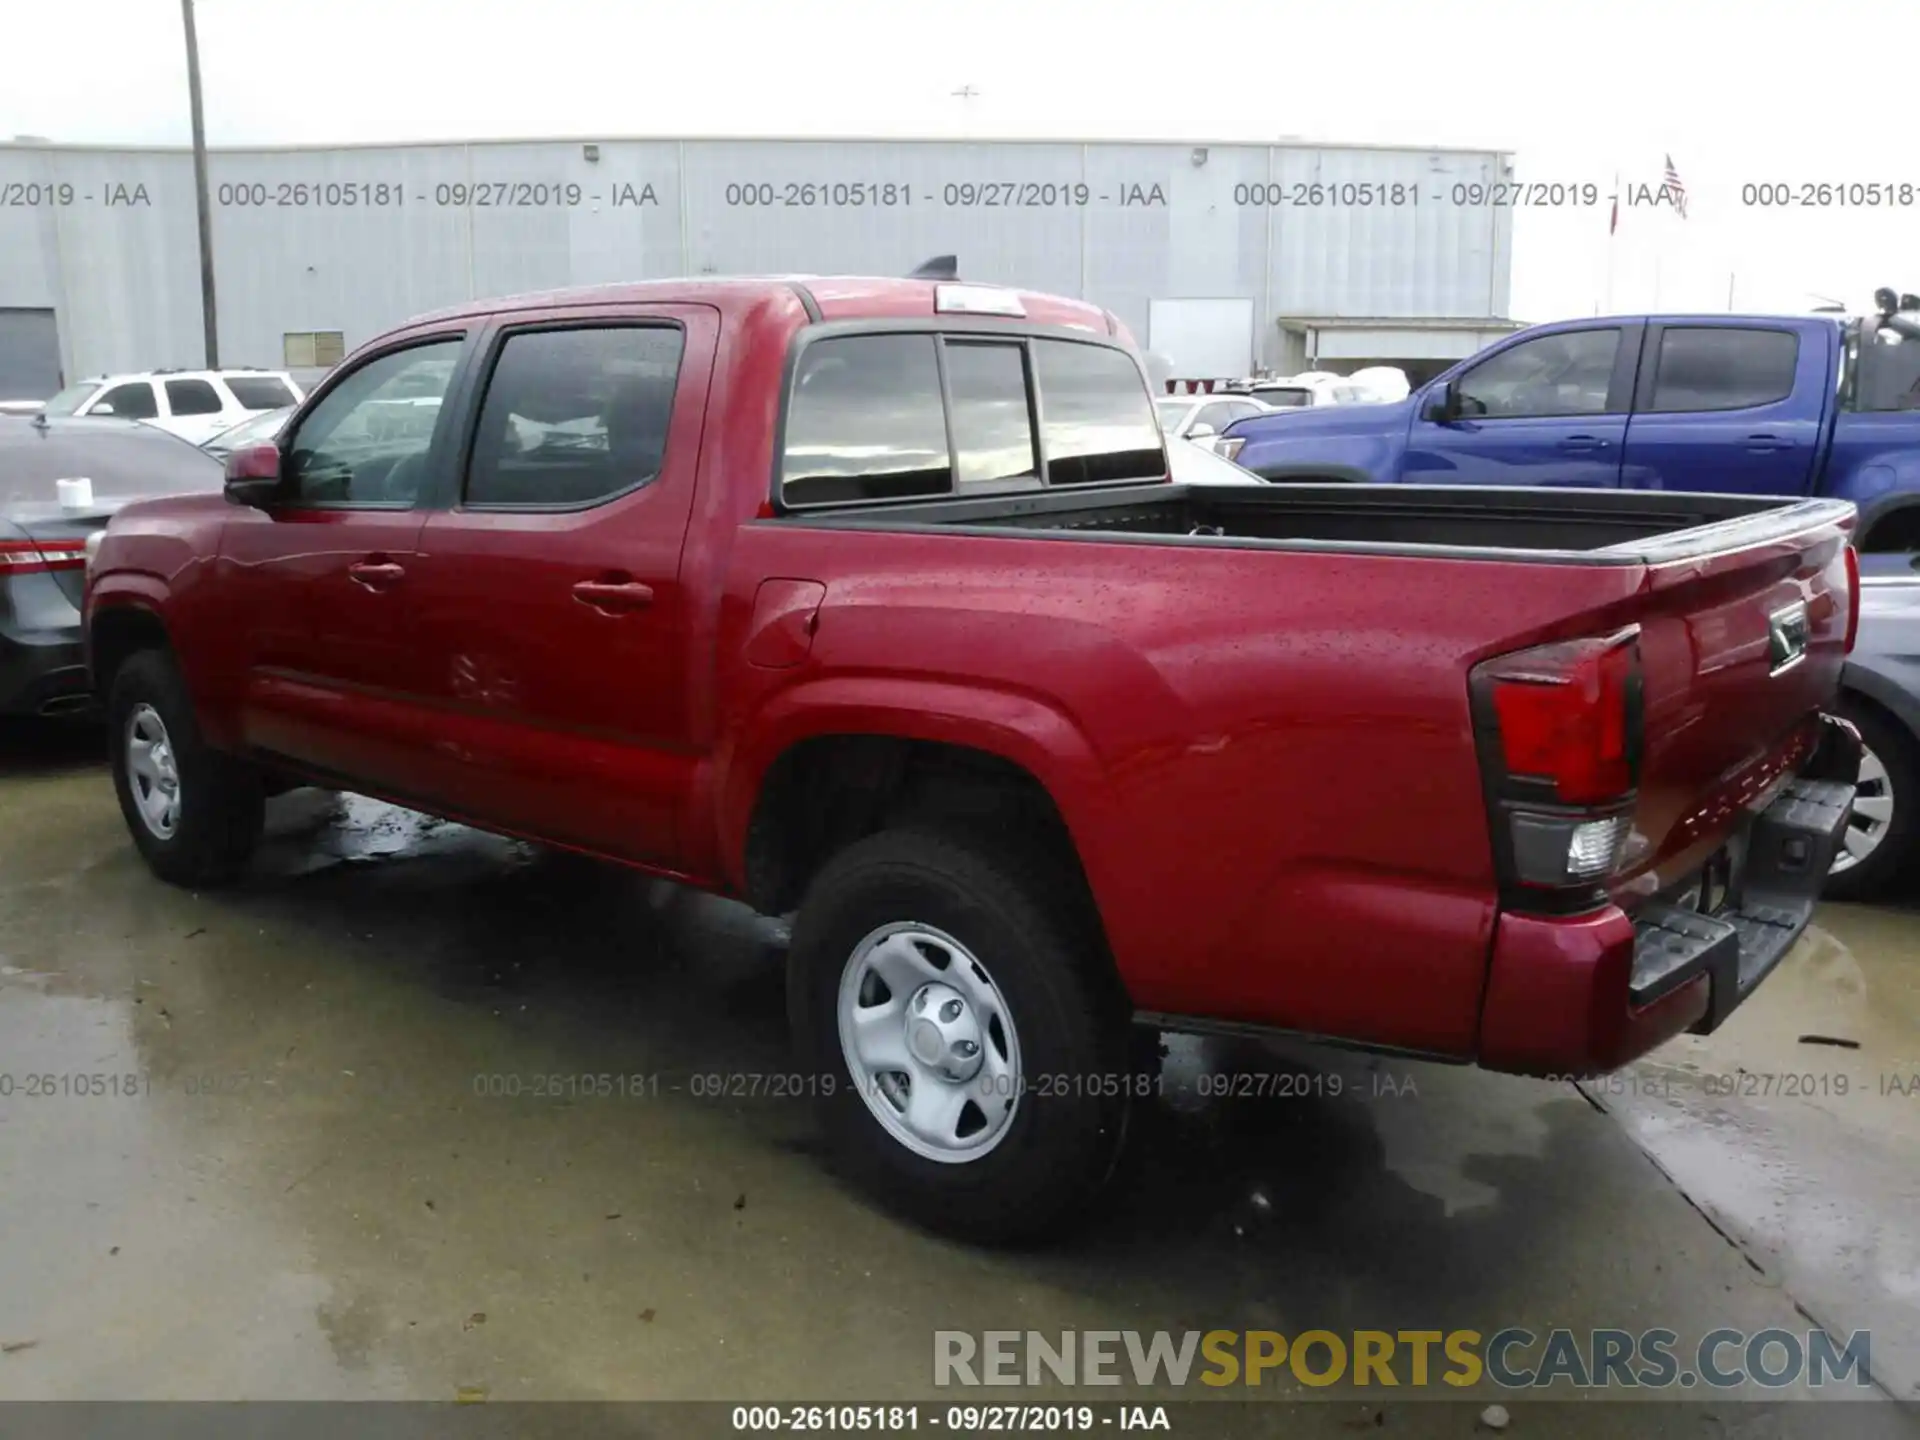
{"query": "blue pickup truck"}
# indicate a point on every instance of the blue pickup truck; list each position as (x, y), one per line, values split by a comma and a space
(1764, 405)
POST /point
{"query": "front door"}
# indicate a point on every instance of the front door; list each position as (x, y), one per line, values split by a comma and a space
(321, 581)
(1547, 410)
(553, 628)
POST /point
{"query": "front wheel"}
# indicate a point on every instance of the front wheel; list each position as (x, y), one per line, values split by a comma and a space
(194, 813)
(970, 1052)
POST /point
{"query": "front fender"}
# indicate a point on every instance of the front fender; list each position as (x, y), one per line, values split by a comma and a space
(1038, 737)
(1344, 455)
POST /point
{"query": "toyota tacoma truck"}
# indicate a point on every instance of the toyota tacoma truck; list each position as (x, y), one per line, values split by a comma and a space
(874, 602)
(1750, 404)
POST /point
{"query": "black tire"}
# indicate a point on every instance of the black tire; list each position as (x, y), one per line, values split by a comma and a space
(1893, 862)
(222, 802)
(1069, 1124)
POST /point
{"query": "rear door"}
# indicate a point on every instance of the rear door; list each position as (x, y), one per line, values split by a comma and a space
(195, 410)
(1730, 405)
(552, 620)
(1548, 409)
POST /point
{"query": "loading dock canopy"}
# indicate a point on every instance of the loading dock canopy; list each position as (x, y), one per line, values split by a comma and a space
(1328, 337)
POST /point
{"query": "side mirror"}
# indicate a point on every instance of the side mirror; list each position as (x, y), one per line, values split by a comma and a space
(103, 408)
(253, 475)
(1440, 404)
(1201, 432)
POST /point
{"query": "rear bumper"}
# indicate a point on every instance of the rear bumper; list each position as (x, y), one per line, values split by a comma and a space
(1585, 995)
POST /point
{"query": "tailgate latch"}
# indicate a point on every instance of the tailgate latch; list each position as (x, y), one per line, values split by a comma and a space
(1787, 636)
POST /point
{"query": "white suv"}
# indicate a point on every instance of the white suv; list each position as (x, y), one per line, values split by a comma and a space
(194, 404)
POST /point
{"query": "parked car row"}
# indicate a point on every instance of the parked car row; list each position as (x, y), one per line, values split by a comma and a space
(196, 405)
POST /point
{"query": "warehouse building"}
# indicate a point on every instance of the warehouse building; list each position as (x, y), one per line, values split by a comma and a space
(1224, 259)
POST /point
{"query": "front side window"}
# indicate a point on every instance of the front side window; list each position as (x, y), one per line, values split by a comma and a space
(1723, 368)
(866, 422)
(192, 397)
(1096, 415)
(363, 446)
(131, 401)
(574, 417)
(1564, 374)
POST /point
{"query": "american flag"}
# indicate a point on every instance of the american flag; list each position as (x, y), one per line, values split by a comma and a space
(1677, 190)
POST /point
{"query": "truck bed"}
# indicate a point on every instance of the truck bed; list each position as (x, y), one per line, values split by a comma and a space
(1601, 526)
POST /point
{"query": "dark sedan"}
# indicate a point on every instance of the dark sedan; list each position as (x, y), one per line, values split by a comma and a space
(61, 479)
(1880, 693)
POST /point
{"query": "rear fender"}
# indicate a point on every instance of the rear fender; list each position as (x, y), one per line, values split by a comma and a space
(1021, 729)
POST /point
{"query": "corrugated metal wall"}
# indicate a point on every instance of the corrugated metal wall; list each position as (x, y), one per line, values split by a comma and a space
(355, 239)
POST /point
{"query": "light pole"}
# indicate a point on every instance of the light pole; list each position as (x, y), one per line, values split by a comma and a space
(207, 310)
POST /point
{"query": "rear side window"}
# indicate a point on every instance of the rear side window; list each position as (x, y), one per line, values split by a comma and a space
(259, 392)
(574, 417)
(132, 401)
(866, 422)
(1723, 368)
(1096, 416)
(193, 397)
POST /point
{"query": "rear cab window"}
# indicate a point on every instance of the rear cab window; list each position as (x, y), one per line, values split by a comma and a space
(912, 415)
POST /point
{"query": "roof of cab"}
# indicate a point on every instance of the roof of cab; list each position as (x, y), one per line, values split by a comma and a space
(835, 297)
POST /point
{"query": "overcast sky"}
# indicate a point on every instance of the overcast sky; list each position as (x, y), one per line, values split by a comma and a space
(1738, 93)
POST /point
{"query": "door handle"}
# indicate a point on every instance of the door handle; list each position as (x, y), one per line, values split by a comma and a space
(1763, 443)
(1583, 442)
(376, 574)
(614, 597)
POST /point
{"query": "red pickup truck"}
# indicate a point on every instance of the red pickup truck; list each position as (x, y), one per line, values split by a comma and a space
(873, 600)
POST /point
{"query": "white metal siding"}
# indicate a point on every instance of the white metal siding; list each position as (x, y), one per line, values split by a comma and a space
(124, 279)
(1203, 339)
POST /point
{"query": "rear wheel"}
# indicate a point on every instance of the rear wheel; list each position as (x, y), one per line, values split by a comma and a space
(972, 1061)
(1877, 849)
(194, 813)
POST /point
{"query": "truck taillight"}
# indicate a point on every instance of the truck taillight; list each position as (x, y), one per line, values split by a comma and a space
(1559, 731)
(1853, 597)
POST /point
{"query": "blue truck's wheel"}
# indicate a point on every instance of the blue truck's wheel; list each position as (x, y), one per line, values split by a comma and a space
(972, 1068)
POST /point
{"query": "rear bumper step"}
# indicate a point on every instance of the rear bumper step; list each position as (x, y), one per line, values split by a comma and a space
(1790, 849)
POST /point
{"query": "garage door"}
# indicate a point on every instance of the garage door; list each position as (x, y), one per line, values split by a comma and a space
(29, 355)
(1203, 339)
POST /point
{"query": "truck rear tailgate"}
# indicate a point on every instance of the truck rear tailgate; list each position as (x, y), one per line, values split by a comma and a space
(1741, 789)
(1739, 649)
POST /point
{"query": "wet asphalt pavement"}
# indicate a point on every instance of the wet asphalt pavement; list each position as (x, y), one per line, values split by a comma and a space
(322, 1166)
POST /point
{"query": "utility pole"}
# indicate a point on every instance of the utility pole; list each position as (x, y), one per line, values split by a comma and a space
(208, 313)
